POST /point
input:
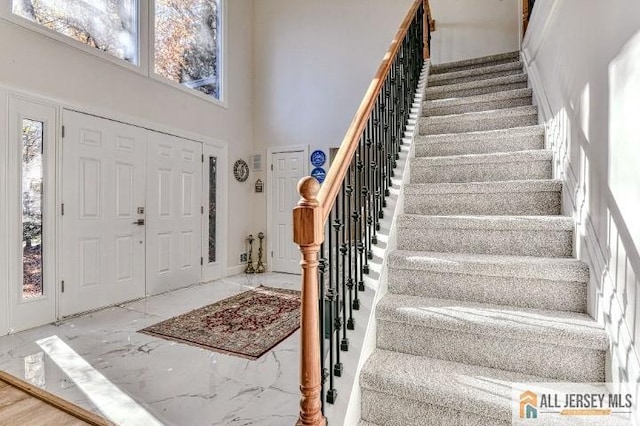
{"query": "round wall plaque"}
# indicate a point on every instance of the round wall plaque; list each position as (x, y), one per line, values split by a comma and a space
(318, 158)
(319, 173)
(241, 170)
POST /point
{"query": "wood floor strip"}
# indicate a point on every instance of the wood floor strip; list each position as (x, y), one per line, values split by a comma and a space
(22, 403)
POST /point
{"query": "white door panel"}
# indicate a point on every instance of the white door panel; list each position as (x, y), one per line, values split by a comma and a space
(288, 169)
(103, 187)
(174, 213)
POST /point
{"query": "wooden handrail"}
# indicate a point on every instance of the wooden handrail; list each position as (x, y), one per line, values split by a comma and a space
(340, 164)
(311, 214)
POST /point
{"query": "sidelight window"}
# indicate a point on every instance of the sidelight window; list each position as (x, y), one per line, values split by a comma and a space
(213, 183)
(32, 197)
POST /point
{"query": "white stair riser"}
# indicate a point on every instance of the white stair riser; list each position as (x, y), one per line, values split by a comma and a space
(391, 410)
(478, 146)
(564, 363)
(511, 203)
(433, 82)
(453, 124)
(474, 91)
(570, 296)
(541, 243)
(434, 110)
(481, 172)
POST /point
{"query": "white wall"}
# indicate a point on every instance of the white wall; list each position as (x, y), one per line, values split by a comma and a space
(313, 61)
(41, 66)
(584, 63)
(468, 29)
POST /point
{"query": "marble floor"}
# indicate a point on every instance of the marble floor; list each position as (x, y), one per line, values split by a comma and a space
(100, 362)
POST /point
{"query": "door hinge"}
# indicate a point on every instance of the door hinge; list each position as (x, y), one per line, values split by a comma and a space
(271, 253)
(272, 167)
(62, 209)
(203, 158)
(63, 131)
(62, 287)
(201, 209)
(202, 261)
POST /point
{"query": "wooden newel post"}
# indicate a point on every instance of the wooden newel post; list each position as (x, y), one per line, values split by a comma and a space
(425, 29)
(308, 234)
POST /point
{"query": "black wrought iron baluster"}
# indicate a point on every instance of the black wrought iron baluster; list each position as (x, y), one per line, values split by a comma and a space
(344, 344)
(387, 137)
(361, 194)
(351, 256)
(322, 269)
(337, 320)
(379, 172)
(332, 393)
(367, 192)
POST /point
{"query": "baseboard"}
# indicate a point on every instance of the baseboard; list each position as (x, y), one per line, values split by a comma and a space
(235, 270)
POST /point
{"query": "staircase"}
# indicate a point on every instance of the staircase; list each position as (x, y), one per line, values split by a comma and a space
(483, 289)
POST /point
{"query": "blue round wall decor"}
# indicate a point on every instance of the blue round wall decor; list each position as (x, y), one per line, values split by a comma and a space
(319, 173)
(318, 158)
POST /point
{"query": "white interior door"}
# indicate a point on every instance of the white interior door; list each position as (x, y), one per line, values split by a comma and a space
(31, 213)
(103, 188)
(288, 169)
(174, 213)
(214, 194)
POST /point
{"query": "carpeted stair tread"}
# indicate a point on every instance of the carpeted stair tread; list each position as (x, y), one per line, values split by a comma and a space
(472, 88)
(519, 116)
(515, 165)
(475, 63)
(527, 197)
(546, 268)
(552, 327)
(477, 390)
(483, 142)
(485, 102)
(517, 186)
(479, 73)
(495, 157)
(544, 223)
(519, 281)
(545, 236)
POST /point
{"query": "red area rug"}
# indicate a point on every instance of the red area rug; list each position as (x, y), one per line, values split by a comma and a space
(247, 325)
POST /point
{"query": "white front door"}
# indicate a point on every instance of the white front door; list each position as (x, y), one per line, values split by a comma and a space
(103, 186)
(174, 213)
(288, 169)
(31, 216)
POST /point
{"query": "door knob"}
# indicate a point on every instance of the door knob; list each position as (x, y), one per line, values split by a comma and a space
(139, 222)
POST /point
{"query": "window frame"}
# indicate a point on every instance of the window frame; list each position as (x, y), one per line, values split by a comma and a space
(146, 46)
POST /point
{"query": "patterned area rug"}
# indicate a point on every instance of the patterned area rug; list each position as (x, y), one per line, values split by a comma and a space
(246, 325)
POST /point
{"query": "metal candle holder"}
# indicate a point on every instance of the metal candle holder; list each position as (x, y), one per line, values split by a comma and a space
(250, 269)
(260, 266)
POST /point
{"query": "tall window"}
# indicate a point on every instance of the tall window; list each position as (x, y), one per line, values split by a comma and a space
(184, 48)
(108, 25)
(187, 43)
(32, 181)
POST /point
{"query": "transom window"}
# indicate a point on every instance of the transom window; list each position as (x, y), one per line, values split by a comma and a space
(183, 50)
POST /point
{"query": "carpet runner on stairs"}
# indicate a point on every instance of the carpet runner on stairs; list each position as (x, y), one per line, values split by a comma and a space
(483, 288)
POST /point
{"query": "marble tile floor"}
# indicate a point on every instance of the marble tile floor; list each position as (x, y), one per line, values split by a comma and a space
(100, 362)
